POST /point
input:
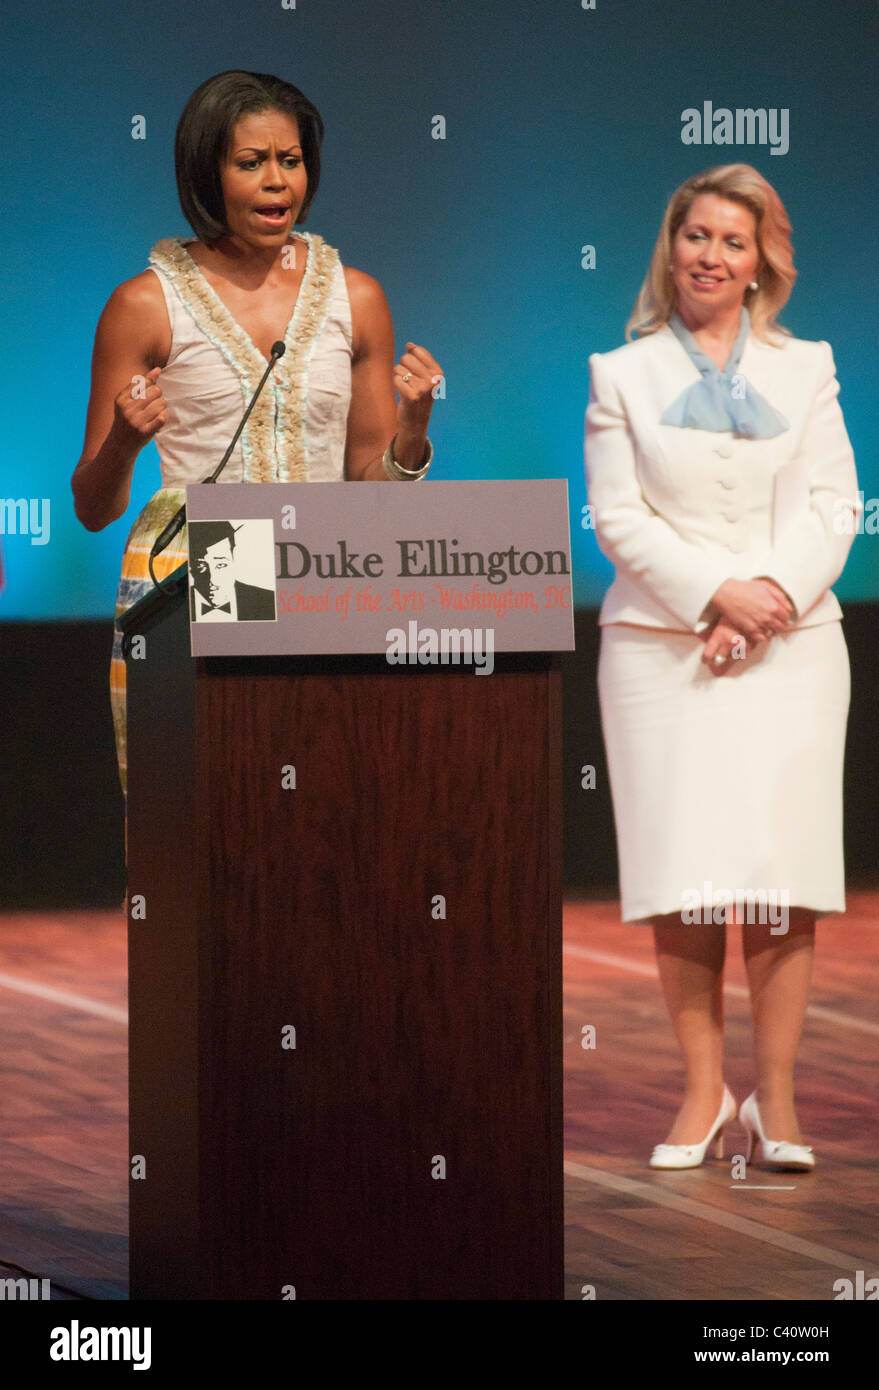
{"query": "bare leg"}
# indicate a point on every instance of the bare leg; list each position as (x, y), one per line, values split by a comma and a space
(690, 961)
(779, 972)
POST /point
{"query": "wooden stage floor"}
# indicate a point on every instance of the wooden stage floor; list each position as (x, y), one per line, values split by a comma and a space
(630, 1233)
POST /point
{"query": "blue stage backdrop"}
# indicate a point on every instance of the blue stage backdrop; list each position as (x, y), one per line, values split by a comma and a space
(562, 130)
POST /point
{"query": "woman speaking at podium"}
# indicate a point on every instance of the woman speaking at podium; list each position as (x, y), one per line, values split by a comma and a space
(181, 347)
(724, 492)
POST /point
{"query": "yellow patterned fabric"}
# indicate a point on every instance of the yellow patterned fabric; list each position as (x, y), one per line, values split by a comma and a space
(133, 585)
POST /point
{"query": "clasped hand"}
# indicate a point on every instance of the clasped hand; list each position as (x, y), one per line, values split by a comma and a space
(751, 611)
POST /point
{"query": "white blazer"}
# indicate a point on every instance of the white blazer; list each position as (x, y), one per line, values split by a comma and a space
(678, 511)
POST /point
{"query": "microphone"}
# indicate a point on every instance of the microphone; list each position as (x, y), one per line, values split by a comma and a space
(178, 520)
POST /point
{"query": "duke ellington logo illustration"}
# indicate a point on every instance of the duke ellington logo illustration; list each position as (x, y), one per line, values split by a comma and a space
(220, 553)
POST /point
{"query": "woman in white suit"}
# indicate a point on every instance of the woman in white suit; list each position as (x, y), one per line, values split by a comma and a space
(723, 489)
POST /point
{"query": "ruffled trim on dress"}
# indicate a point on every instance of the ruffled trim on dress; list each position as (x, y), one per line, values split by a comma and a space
(273, 442)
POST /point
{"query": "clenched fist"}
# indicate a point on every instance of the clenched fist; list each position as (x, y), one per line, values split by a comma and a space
(415, 376)
(140, 410)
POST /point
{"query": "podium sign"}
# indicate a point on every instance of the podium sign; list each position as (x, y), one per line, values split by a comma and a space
(314, 568)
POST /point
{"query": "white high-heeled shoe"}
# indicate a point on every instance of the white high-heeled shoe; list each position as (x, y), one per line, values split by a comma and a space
(776, 1154)
(691, 1155)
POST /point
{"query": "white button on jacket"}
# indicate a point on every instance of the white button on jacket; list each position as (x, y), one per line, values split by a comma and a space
(662, 495)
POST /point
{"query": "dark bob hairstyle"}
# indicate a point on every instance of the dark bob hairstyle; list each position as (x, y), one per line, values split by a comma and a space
(204, 132)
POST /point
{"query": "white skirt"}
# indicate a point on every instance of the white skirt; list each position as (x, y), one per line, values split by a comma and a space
(726, 785)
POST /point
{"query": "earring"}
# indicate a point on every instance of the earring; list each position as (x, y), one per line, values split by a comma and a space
(753, 285)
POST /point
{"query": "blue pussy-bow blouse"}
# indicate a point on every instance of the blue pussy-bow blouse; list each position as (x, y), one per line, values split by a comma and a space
(722, 400)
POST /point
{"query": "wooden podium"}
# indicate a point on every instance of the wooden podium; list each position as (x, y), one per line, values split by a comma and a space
(345, 996)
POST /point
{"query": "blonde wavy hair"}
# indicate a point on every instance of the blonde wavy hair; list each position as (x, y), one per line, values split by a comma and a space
(740, 183)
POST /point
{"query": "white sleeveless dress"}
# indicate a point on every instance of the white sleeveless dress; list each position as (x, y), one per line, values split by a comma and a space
(296, 432)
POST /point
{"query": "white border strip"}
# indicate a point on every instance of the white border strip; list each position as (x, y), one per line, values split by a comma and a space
(62, 996)
(116, 1015)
